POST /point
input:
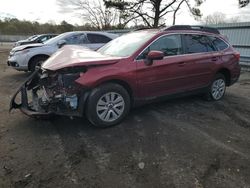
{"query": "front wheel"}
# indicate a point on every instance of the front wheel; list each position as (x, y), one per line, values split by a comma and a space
(217, 88)
(107, 105)
(37, 61)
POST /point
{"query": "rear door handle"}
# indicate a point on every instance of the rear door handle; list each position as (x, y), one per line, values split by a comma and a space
(214, 58)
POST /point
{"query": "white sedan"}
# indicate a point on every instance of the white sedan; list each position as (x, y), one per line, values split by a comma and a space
(27, 57)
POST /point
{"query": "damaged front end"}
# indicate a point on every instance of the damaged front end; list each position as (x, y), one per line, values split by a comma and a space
(48, 92)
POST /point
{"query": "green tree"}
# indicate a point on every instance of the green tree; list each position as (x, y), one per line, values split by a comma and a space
(65, 27)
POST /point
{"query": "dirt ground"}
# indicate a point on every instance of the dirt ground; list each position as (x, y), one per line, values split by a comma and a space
(184, 142)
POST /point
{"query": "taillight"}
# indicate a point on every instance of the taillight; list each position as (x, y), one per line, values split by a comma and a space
(237, 55)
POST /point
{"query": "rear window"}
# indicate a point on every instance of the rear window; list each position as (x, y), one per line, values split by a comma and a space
(218, 43)
(198, 44)
(95, 38)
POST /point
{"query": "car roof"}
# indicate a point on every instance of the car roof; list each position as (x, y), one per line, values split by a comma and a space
(204, 30)
(153, 30)
(193, 28)
(110, 35)
(68, 34)
(189, 32)
(162, 31)
(49, 34)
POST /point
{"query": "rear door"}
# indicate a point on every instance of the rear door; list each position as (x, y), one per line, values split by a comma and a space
(96, 40)
(200, 58)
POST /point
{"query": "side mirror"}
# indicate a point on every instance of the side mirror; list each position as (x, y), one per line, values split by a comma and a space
(61, 43)
(153, 55)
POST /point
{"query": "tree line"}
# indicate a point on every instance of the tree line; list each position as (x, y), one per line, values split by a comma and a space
(13, 26)
(113, 14)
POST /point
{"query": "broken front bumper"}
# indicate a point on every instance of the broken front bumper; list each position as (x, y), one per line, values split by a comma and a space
(24, 105)
(29, 105)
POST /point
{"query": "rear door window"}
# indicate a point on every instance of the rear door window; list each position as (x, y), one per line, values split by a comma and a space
(76, 39)
(218, 43)
(197, 44)
(96, 38)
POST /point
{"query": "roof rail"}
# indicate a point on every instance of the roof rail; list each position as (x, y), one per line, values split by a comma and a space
(194, 28)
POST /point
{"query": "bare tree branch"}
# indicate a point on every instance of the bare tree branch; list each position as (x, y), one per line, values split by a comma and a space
(93, 12)
(152, 12)
(176, 10)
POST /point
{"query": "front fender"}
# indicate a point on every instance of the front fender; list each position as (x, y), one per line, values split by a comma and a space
(94, 77)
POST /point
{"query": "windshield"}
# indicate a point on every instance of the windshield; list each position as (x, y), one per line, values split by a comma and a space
(33, 36)
(126, 45)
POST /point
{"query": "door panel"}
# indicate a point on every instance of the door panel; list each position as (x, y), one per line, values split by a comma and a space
(200, 59)
(164, 77)
(199, 69)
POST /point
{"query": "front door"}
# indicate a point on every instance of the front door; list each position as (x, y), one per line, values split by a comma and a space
(166, 76)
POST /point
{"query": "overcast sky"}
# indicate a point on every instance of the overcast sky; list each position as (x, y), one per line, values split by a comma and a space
(47, 10)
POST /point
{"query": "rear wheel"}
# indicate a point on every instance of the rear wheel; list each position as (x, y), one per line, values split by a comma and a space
(37, 61)
(217, 88)
(108, 105)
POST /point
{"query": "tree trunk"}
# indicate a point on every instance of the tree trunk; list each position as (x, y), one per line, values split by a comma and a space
(157, 6)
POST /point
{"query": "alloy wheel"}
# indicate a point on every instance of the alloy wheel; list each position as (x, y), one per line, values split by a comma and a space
(218, 88)
(110, 106)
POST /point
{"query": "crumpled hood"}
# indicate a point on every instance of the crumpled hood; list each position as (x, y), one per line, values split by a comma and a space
(27, 46)
(72, 55)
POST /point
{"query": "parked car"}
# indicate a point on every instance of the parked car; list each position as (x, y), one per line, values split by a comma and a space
(35, 39)
(27, 57)
(131, 70)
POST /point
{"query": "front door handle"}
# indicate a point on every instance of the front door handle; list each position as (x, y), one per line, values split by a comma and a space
(214, 58)
(181, 64)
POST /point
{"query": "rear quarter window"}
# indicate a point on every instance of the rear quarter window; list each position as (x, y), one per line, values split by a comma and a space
(96, 38)
(76, 39)
(218, 43)
(197, 44)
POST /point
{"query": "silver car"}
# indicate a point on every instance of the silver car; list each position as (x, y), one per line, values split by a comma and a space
(27, 57)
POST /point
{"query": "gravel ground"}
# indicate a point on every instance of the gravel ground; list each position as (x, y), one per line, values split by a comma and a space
(184, 142)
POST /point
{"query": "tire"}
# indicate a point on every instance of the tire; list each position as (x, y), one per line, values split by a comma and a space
(37, 61)
(217, 88)
(107, 105)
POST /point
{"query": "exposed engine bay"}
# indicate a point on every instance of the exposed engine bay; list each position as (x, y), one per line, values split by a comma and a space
(52, 92)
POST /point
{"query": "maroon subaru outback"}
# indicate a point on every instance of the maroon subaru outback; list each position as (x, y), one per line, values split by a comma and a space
(133, 69)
